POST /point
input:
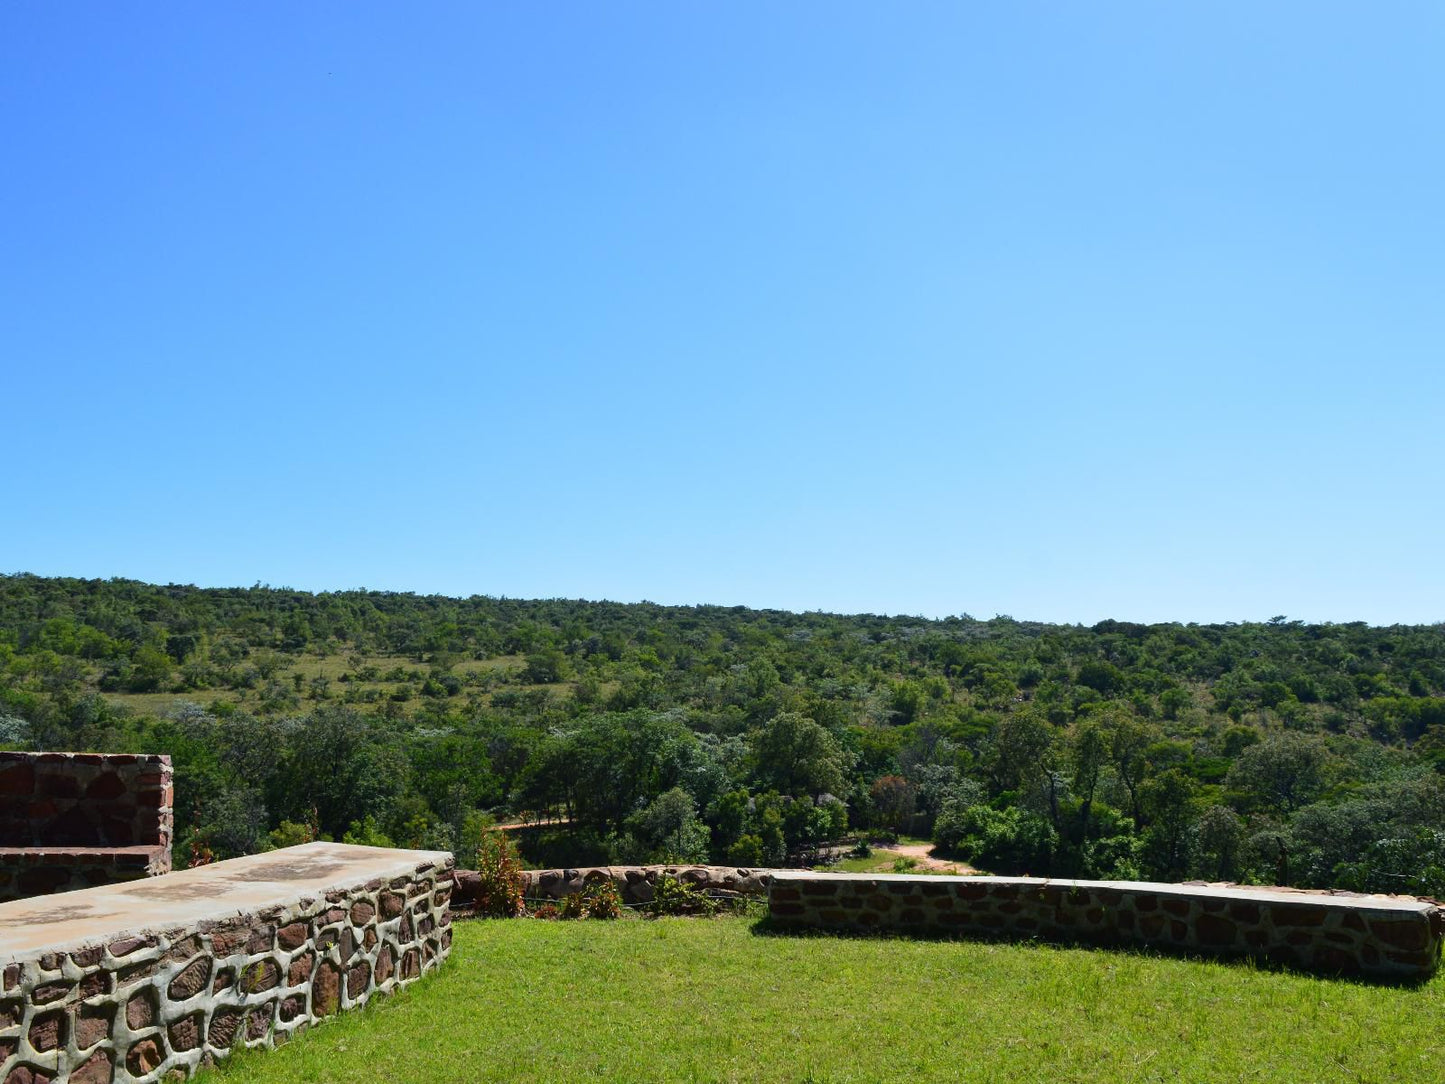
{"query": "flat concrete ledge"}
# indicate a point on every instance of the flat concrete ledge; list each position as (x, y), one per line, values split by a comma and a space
(1380, 936)
(132, 982)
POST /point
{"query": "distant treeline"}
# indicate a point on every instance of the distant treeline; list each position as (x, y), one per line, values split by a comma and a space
(1277, 752)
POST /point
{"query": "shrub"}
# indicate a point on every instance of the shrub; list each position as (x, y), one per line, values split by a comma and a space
(603, 900)
(499, 889)
(674, 897)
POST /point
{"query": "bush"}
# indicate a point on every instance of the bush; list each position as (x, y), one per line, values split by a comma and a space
(599, 900)
(1010, 841)
(499, 891)
(603, 900)
(674, 897)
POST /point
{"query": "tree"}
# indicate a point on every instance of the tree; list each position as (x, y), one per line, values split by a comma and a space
(1281, 773)
(797, 756)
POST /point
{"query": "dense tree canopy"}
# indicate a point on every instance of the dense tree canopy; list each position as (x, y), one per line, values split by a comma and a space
(1278, 751)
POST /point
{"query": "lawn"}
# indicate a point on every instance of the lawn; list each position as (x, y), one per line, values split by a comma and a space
(722, 1000)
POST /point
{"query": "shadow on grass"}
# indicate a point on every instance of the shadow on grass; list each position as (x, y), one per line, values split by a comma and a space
(768, 927)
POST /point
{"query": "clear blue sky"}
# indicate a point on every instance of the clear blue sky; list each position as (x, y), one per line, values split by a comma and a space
(1064, 311)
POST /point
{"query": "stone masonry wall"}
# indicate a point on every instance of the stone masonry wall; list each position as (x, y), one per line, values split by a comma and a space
(152, 1005)
(1377, 936)
(73, 820)
(636, 884)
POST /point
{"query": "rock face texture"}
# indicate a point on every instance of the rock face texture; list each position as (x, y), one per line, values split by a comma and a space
(75, 820)
(1336, 934)
(141, 981)
(636, 884)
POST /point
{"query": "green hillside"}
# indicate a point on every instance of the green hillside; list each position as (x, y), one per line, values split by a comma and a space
(1273, 752)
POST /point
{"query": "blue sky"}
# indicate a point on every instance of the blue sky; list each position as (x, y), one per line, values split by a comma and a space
(1060, 311)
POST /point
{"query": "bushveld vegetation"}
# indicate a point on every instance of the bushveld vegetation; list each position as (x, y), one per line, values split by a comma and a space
(1275, 752)
(718, 1000)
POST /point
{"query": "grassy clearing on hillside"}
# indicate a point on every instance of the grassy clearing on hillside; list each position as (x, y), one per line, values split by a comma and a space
(719, 1000)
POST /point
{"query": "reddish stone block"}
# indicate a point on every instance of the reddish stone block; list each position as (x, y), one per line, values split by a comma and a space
(128, 945)
(92, 1024)
(411, 964)
(357, 979)
(1151, 925)
(392, 904)
(18, 780)
(182, 949)
(820, 888)
(28, 1074)
(47, 992)
(11, 1013)
(786, 909)
(385, 962)
(362, 912)
(96, 1069)
(300, 969)
(292, 936)
(326, 989)
(1283, 915)
(1176, 907)
(193, 978)
(1178, 930)
(260, 939)
(47, 1031)
(185, 1033)
(140, 1010)
(105, 786)
(224, 979)
(1401, 933)
(1244, 912)
(1145, 903)
(292, 1007)
(1215, 932)
(260, 1020)
(225, 1024)
(87, 957)
(260, 976)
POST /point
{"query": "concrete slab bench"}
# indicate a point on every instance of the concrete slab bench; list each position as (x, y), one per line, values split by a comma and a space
(1397, 938)
(132, 982)
(74, 820)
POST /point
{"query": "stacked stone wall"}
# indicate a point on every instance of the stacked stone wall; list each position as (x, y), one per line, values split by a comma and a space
(1377, 936)
(637, 884)
(140, 1007)
(74, 820)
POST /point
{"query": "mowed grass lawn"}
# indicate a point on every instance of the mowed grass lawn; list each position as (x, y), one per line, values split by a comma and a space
(717, 999)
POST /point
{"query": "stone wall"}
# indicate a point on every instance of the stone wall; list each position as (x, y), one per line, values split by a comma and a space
(73, 820)
(137, 1003)
(1369, 935)
(636, 884)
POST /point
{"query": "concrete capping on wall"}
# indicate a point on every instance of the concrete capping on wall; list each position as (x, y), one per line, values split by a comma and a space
(636, 884)
(75, 820)
(153, 979)
(1381, 936)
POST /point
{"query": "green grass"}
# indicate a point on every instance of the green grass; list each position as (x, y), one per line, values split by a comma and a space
(692, 999)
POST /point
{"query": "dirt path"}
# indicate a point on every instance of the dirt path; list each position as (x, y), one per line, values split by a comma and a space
(919, 852)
